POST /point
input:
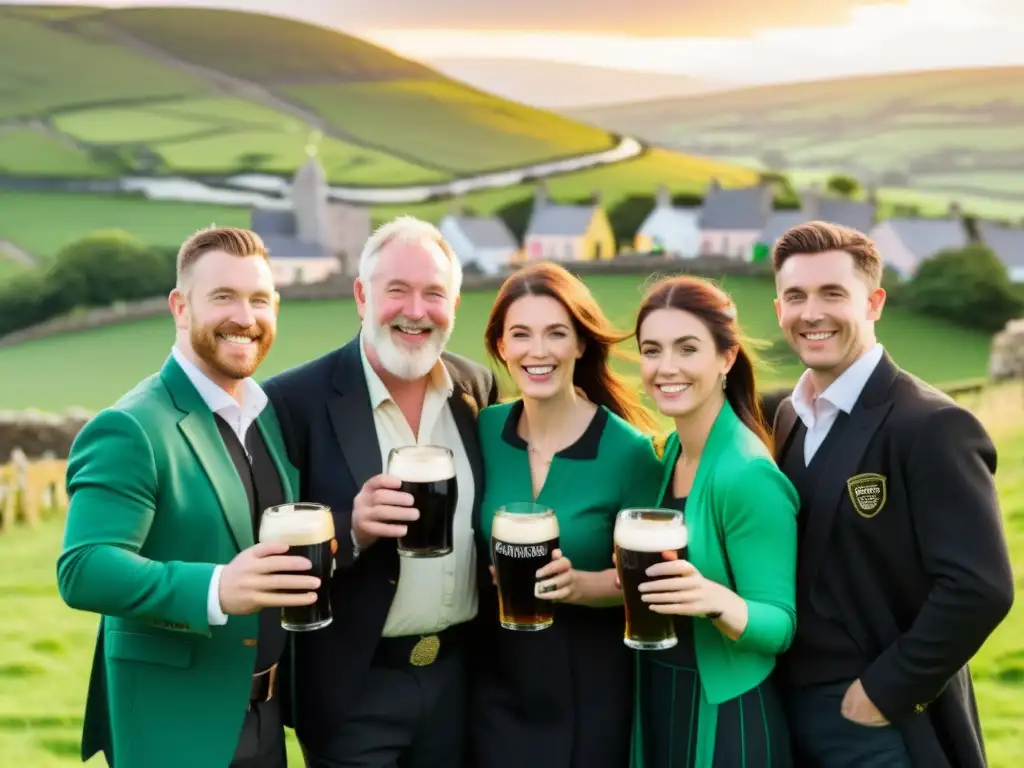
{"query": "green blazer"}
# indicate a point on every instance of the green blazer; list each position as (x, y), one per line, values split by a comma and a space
(741, 524)
(155, 502)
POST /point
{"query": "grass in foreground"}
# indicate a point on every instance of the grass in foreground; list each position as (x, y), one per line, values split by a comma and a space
(108, 361)
(46, 648)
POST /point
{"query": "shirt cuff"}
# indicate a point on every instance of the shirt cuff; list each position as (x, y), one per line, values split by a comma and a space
(214, 615)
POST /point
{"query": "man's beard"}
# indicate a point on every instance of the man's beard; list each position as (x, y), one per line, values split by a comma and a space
(205, 345)
(404, 363)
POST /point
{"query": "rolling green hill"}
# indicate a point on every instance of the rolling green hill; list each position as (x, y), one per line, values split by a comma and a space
(957, 132)
(95, 92)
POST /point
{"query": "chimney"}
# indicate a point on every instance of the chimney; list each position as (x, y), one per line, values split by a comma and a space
(540, 195)
(597, 198)
(663, 198)
(810, 201)
(714, 184)
(954, 211)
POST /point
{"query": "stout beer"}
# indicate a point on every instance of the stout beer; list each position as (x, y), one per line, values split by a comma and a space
(308, 530)
(427, 473)
(644, 537)
(523, 537)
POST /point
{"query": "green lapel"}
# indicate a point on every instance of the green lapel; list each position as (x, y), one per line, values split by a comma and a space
(200, 430)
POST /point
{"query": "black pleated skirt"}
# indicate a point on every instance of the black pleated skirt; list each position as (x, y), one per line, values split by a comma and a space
(751, 731)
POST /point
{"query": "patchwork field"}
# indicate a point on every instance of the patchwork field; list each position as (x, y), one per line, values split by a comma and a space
(209, 92)
(108, 361)
(46, 648)
(43, 223)
(955, 132)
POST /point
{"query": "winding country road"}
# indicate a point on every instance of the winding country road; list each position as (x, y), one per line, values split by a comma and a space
(257, 189)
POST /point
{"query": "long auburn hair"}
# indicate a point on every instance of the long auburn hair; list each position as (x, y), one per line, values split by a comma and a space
(716, 310)
(592, 374)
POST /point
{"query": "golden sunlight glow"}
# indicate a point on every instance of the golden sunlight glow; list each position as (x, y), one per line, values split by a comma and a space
(918, 34)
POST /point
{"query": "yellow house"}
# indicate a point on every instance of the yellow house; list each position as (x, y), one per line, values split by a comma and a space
(566, 232)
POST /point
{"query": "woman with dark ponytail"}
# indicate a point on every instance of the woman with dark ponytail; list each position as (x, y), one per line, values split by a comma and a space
(711, 699)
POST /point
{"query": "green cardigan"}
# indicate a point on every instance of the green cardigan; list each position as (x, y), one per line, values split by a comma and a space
(741, 523)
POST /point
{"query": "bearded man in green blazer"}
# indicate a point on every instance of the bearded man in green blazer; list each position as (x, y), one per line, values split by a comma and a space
(165, 490)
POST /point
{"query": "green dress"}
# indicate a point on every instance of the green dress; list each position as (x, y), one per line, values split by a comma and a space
(568, 688)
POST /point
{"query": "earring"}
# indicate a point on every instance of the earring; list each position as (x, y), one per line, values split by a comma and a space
(723, 380)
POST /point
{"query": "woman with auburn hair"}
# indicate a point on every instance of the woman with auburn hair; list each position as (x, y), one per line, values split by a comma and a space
(712, 699)
(572, 443)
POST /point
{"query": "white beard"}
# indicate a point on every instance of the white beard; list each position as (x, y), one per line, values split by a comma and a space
(407, 364)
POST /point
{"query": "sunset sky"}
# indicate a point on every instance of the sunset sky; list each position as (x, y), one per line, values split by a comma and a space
(736, 41)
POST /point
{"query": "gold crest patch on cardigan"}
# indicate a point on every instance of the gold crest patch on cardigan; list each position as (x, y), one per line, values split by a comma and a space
(867, 493)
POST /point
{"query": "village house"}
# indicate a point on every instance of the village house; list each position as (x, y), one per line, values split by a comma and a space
(669, 229)
(732, 219)
(814, 206)
(309, 237)
(906, 242)
(567, 232)
(481, 242)
(1007, 243)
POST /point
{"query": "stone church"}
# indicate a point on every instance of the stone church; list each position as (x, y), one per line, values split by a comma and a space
(310, 237)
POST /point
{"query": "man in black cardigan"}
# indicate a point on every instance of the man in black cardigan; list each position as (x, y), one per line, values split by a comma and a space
(385, 685)
(903, 568)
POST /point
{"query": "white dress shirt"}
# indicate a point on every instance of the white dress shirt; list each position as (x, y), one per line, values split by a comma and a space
(819, 412)
(240, 418)
(433, 593)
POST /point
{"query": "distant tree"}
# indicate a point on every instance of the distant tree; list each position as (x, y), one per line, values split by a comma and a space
(969, 286)
(516, 216)
(843, 185)
(628, 214)
(786, 196)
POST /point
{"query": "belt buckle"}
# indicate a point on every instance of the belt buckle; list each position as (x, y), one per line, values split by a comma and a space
(424, 653)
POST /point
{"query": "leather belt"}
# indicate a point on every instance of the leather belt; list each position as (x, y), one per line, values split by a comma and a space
(418, 650)
(263, 686)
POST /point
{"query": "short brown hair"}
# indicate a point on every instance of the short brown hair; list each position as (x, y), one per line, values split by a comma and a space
(820, 237)
(232, 240)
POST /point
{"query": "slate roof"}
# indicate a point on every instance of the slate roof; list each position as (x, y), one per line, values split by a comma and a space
(1006, 242)
(560, 220)
(486, 231)
(741, 208)
(273, 221)
(926, 237)
(857, 214)
(284, 247)
(777, 224)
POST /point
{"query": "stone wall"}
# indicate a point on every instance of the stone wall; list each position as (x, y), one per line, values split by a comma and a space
(39, 434)
(341, 288)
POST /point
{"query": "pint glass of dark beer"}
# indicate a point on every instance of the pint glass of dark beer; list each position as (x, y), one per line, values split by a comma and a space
(523, 536)
(427, 473)
(644, 537)
(308, 530)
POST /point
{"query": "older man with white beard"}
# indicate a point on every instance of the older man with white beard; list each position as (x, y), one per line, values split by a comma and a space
(385, 686)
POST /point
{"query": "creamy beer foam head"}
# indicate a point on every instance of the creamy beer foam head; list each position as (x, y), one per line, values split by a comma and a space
(650, 535)
(422, 464)
(524, 529)
(297, 526)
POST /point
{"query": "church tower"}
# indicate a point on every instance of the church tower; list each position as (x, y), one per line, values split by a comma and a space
(309, 197)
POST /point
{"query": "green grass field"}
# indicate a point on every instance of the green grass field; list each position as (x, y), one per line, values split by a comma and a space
(124, 82)
(42, 223)
(46, 648)
(955, 132)
(108, 361)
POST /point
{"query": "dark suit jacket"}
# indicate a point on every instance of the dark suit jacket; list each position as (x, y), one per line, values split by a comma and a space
(324, 409)
(922, 579)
